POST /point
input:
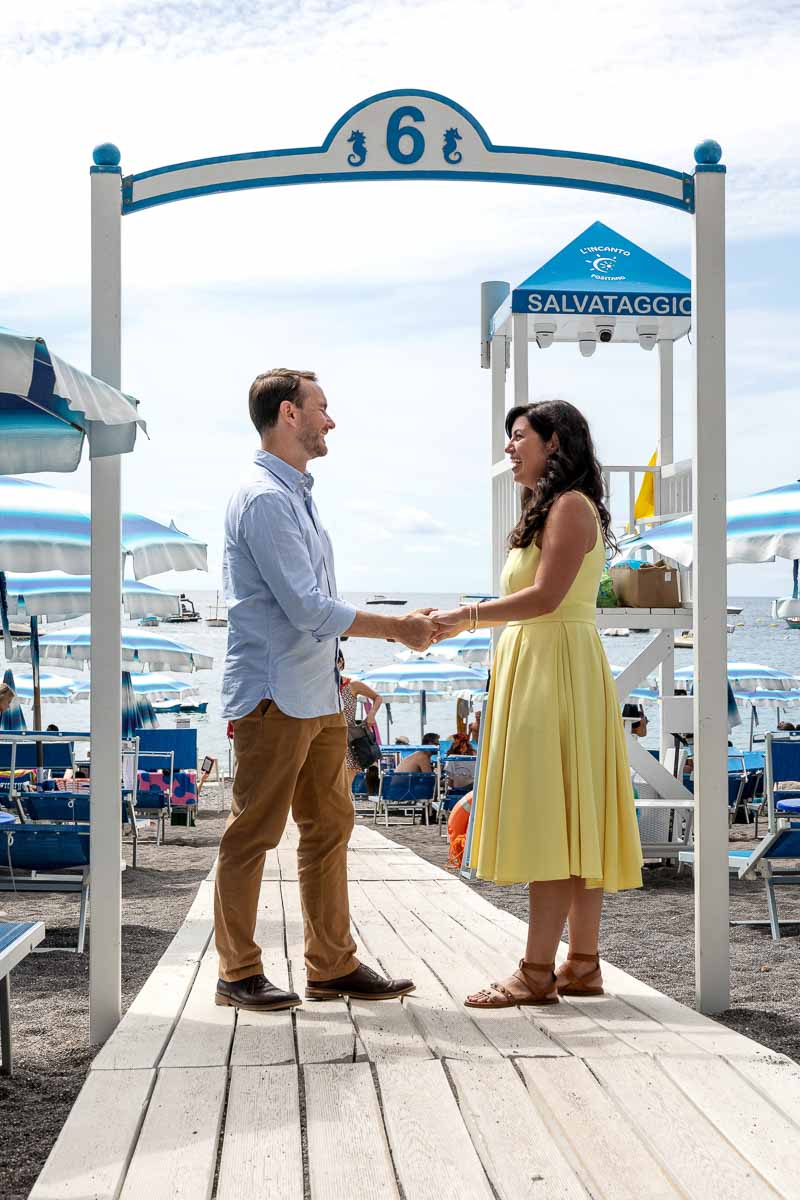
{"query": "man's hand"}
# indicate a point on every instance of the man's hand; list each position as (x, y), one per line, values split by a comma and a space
(449, 622)
(417, 630)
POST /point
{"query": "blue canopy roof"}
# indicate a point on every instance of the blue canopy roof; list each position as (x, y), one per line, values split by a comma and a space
(603, 273)
(602, 281)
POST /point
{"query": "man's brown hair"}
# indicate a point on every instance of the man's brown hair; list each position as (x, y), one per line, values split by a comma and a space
(268, 392)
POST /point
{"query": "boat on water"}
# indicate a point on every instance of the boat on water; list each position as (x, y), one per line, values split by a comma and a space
(219, 617)
(788, 610)
(149, 620)
(187, 615)
(685, 639)
(380, 599)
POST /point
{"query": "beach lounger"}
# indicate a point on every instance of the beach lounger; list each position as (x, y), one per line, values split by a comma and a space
(170, 751)
(17, 939)
(406, 790)
(47, 858)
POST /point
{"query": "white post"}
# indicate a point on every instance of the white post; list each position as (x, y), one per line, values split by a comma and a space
(712, 962)
(498, 398)
(106, 700)
(519, 322)
(666, 456)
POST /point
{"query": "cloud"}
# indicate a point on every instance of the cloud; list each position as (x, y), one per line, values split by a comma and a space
(415, 520)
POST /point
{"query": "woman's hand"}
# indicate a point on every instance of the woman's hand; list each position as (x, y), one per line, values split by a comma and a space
(450, 622)
(369, 720)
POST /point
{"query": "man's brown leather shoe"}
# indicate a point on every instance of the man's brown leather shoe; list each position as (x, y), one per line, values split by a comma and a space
(255, 993)
(361, 984)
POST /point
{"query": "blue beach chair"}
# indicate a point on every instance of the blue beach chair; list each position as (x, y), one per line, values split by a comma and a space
(167, 750)
(781, 843)
(407, 790)
(47, 858)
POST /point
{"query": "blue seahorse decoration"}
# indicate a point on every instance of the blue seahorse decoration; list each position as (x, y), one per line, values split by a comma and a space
(359, 153)
(451, 138)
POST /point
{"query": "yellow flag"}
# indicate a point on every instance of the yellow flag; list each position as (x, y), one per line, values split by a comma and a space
(646, 500)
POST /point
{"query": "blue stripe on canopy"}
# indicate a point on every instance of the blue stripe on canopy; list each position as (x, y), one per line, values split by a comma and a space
(13, 719)
(161, 653)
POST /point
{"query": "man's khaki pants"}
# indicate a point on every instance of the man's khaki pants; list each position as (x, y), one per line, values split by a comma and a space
(285, 763)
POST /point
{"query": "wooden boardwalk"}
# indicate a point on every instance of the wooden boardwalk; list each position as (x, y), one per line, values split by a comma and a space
(626, 1096)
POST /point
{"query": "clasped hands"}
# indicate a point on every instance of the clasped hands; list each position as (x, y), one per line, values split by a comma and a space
(424, 626)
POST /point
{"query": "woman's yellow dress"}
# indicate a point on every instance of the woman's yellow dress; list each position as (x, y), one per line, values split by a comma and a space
(554, 796)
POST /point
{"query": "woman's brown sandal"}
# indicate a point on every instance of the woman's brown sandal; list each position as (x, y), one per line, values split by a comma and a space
(570, 984)
(517, 990)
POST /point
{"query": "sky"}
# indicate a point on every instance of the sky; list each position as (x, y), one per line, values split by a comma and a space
(377, 287)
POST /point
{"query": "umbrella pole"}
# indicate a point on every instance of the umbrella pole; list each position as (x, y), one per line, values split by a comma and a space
(36, 675)
(423, 714)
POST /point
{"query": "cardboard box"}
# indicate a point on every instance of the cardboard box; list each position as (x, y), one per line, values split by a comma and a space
(648, 586)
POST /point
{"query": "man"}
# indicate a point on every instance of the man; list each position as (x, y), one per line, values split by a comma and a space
(420, 760)
(281, 692)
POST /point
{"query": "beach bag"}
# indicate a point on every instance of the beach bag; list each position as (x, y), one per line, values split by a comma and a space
(606, 596)
(363, 746)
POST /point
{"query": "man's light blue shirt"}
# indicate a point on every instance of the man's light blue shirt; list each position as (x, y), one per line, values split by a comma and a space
(284, 617)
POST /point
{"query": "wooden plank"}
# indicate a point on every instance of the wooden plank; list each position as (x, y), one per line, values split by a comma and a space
(634, 1027)
(465, 965)
(191, 940)
(433, 1154)
(348, 1156)
(766, 1138)
(701, 1031)
(91, 1154)
(387, 1031)
(261, 1152)
(143, 1033)
(202, 1037)
(700, 1160)
(518, 1152)
(176, 1155)
(264, 1039)
(325, 1029)
(578, 1033)
(272, 869)
(778, 1081)
(601, 1145)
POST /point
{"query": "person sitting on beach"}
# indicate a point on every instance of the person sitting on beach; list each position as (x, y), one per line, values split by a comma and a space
(460, 774)
(475, 726)
(420, 760)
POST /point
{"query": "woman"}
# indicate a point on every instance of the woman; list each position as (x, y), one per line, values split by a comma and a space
(554, 802)
(460, 775)
(350, 690)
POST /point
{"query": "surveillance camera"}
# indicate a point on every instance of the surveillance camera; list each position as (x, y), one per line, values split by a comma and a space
(605, 332)
(544, 331)
(587, 344)
(647, 335)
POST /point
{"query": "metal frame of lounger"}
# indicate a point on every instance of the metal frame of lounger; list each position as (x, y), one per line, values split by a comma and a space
(411, 802)
(17, 940)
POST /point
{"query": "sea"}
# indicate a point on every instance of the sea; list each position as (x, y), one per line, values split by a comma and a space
(756, 638)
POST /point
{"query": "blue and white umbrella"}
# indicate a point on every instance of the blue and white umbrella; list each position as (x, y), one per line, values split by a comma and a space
(44, 529)
(423, 675)
(475, 647)
(760, 528)
(47, 407)
(73, 645)
(13, 719)
(58, 597)
(745, 676)
(56, 689)
(156, 684)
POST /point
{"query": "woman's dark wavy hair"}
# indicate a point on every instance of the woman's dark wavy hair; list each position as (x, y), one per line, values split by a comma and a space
(573, 467)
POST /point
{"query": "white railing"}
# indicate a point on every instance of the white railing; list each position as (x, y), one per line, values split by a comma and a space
(505, 514)
(672, 487)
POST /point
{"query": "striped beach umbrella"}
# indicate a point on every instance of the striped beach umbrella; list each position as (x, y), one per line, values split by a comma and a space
(475, 648)
(156, 684)
(47, 407)
(73, 645)
(55, 688)
(423, 675)
(760, 528)
(58, 596)
(44, 528)
(745, 676)
(13, 719)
